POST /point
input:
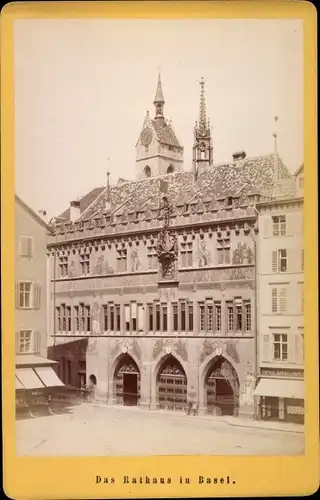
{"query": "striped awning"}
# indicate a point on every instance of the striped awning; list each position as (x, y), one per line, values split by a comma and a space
(28, 378)
(48, 376)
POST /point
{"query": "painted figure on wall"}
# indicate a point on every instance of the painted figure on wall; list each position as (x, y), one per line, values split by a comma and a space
(204, 254)
(243, 254)
(96, 308)
(72, 269)
(135, 260)
(101, 266)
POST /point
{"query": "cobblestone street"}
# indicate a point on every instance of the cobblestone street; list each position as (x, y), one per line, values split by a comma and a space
(110, 431)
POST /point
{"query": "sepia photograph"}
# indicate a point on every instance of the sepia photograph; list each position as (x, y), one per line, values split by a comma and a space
(159, 254)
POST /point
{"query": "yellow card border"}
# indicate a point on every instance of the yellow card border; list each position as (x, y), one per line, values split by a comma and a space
(31, 477)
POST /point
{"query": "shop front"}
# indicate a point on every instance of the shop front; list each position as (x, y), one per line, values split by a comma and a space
(281, 398)
(36, 382)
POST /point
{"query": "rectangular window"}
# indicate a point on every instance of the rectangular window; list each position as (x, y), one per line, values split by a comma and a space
(25, 295)
(223, 249)
(111, 313)
(58, 319)
(186, 252)
(247, 313)
(164, 317)
(127, 317)
(134, 316)
(190, 317)
(87, 319)
(201, 317)
(118, 318)
(25, 246)
(183, 316)
(122, 260)
(25, 341)
(152, 257)
(175, 317)
(218, 316)
(230, 316)
(77, 318)
(210, 317)
(150, 315)
(279, 225)
(106, 318)
(239, 318)
(279, 300)
(280, 347)
(63, 266)
(85, 263)
(279, 261)
(68, 318)
(158, 326)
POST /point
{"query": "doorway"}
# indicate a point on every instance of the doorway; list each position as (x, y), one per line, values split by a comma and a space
(172, 385)
(222, 388)
(127, 381)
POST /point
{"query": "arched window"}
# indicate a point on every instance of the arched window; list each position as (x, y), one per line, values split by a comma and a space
(93, 379)
(147, 171)
(170, 169)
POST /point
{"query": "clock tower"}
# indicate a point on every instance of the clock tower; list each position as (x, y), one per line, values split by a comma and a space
(202, 147)
(158, 151)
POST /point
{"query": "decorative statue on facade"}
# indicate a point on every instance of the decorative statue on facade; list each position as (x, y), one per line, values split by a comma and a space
(167, 248)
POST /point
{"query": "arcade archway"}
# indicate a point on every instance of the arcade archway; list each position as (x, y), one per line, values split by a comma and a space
(172, 385)
(127, 381)
(222, 388)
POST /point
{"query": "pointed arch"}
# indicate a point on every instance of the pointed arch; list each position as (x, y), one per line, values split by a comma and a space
(126, 380)
(171, 384)
(170, 169)
(147, 171)
(221, 387)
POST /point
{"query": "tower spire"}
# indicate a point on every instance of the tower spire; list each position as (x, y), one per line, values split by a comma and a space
(159, 100)
(203, 111)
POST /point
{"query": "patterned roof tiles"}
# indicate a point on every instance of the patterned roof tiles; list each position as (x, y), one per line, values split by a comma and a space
(260, 175)
(165, 134)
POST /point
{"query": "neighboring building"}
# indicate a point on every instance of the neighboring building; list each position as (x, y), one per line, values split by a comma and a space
(34, 373)
(154, 279)
(299, 176)
(280, 261)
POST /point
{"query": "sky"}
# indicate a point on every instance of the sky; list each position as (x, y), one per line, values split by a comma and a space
(83, 86)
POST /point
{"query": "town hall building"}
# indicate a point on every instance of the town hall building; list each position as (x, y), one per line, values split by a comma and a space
(153, 281)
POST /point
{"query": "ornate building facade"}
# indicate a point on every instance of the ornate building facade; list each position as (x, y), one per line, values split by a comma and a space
(157, 276)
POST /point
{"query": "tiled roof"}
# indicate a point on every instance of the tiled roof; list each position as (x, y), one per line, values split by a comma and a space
(85, 202)
(165, 134)
(261, 175)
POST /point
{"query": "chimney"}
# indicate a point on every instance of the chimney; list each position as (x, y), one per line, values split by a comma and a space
(239, 155)
(74, 210)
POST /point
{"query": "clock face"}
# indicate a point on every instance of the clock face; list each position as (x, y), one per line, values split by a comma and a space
(146, 136)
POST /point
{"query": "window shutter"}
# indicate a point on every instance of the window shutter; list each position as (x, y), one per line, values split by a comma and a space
(274, 300)
(141, 318)
(292, 348)
(127, 313)
(133, 310)
(267, 227)
(298, 348)
(266, 348)
(302, 260)
(36, 296)
(274, 261)
(18, 295)
(283, 300)
(29, 247)
(292, 224)
(293, 258)
(37, 342)
(17, 342)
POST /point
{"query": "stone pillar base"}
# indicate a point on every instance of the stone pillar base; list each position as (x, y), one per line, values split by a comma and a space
(154, 406)
(246, 411)
(144, 405)
(203, 410)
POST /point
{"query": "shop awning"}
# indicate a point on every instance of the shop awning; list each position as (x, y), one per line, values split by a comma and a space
(28, 378)
(278, 388)
(18, 384)
(48, 376)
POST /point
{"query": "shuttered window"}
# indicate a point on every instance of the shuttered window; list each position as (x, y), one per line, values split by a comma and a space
(28, 295)
(25, 246)
(279, 261)
(280, 347)
(266, 345)
(278, 300)
(28, 341)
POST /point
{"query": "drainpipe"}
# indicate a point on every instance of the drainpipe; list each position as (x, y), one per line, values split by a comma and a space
(54, 298)
(256, 364)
